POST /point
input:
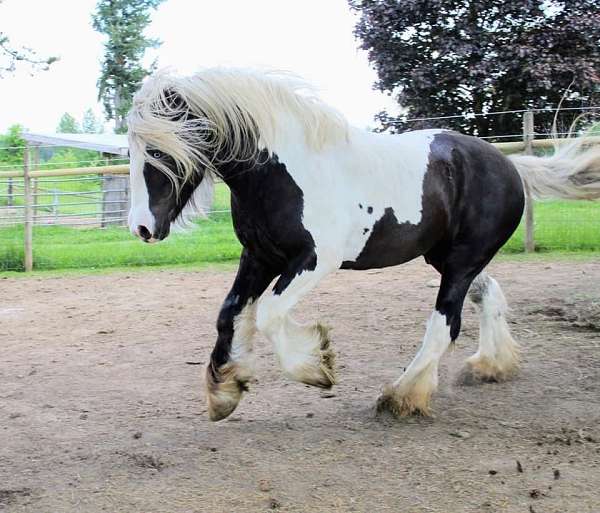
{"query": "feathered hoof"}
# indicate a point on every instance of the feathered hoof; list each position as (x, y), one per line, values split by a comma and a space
(478, 370)
(415, 403)
(319, 369)
(224, 393)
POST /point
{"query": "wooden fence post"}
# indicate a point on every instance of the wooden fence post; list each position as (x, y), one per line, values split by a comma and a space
(528, 128)
(35, 167)
(115, 198)
(9, 192)
(28, 204)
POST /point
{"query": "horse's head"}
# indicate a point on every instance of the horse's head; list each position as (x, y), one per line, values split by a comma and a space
(168, 172)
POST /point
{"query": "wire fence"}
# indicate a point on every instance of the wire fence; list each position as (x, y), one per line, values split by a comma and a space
(76, 217)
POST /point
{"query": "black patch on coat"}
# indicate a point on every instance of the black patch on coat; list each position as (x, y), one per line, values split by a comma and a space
(390, 243)
(267, 207)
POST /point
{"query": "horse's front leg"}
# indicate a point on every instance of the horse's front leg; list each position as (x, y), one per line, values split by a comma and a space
(231, 362)
(303, 350)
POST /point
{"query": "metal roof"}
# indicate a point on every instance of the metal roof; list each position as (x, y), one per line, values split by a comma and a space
(116, 144)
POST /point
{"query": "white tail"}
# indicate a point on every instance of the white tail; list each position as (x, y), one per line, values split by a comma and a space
(571, 173)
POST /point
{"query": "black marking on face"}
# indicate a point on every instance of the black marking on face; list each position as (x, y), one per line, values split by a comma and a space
(164, 203)
(369, 210)
(365, 231)
(360, 205)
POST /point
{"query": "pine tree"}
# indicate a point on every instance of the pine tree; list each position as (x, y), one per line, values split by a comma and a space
(68, 125)
(90, 124)
(123, 23)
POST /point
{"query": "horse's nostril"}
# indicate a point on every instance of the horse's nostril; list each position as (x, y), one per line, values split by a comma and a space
(144, 233)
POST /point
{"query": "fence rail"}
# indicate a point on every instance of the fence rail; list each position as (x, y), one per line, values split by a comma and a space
(121, 169)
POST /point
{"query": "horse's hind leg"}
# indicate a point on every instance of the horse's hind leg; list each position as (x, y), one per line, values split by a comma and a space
(498, 355)
(231, 362)
(411, 393)
(303, 350)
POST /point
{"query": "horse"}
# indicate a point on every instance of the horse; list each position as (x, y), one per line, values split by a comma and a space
(311, 194)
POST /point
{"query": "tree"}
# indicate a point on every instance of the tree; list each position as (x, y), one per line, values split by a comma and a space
(90, 124)
(12, 144)
(10, 56)
(123, 22)
(443, 57)
(67, 124)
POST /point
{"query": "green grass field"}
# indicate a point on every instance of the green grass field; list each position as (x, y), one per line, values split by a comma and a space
(561, 226)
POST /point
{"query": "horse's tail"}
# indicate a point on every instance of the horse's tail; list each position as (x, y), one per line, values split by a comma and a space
(572, 172)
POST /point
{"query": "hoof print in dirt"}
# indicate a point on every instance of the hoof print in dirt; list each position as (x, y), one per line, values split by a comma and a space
(11, 496)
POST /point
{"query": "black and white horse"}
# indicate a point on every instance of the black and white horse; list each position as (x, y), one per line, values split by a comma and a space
(311, 195)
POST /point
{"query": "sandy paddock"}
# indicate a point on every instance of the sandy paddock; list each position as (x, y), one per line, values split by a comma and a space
(102, 405)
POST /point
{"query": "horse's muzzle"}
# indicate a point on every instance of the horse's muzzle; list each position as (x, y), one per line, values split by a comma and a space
(145, 235)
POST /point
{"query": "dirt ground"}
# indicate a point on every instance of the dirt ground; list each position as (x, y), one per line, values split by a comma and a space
(102, 403)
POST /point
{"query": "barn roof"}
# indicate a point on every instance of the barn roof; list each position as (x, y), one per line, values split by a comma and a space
(115, 144)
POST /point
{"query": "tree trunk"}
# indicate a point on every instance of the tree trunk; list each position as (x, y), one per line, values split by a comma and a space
(119, 121)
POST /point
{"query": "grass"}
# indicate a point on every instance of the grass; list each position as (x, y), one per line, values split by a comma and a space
(562, 227)
(210, 240)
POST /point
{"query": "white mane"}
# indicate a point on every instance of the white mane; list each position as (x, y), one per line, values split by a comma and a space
(228, 114)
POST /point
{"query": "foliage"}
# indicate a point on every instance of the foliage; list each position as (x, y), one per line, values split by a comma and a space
(123, 22)
(65, 158)
(62, 158)
(10, 56)
(441, 57)
(11, 147)
(67, 125)
(90, 124)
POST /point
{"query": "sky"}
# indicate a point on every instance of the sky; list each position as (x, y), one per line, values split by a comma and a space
(312, 38)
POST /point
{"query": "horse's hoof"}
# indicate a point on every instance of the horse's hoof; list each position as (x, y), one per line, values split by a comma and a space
(484, 370)
(393, 402)
(223, 395)
(321, 371)
(468, 377)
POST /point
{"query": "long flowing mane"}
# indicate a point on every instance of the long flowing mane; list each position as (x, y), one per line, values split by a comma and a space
(226, 114)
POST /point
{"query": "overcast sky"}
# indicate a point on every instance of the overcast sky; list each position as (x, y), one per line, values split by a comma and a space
(310, 37)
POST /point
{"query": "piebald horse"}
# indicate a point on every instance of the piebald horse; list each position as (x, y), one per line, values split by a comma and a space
(311, 195)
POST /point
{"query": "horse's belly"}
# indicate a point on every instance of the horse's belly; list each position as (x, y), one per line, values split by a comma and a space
(393, 243)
